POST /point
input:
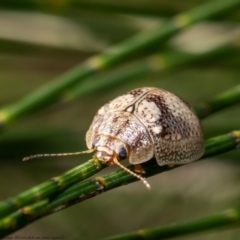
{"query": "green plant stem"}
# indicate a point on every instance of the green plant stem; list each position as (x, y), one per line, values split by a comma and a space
(154, 63)
(112, 56)
(223, 100)
(93, 187)
(51, 187)
(225, 218)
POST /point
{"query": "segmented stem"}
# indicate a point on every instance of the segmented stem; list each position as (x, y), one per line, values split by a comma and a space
(51, 186)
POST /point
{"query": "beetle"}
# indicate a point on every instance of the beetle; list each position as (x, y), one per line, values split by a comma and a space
(141, 124)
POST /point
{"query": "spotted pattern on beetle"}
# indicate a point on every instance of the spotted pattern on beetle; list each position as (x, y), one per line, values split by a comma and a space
(145, 123)
(142, 124)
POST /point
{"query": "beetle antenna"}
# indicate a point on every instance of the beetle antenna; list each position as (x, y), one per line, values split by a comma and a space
(56, 154)
(132, 173)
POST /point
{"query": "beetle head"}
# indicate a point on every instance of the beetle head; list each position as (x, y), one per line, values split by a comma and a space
(109, 148)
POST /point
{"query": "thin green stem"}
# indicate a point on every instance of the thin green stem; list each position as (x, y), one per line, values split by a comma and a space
(51, 187)
(154, 63)
(219, 102)
(93, 187)
(44, 95)
(225, 218)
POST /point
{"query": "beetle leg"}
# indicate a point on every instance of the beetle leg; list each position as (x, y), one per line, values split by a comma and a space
(139, 169)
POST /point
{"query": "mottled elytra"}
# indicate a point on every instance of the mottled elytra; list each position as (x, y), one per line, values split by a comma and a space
(141, 124)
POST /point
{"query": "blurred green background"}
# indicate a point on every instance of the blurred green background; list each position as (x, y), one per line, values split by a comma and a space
(40, 40)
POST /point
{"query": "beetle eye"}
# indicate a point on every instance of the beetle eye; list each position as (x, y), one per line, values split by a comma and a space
(122, 153)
